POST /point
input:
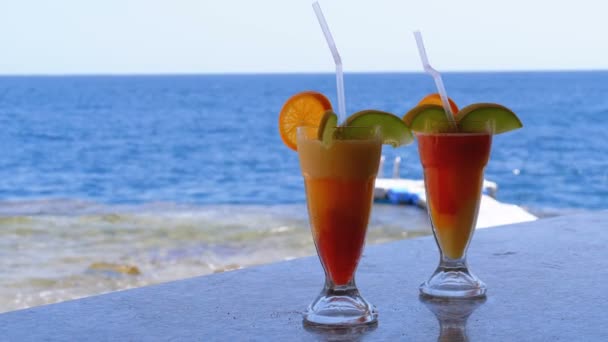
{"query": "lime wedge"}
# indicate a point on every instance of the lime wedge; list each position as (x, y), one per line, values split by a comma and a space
(427, 118)
(392, 129)
(327, 126)
(487, 117)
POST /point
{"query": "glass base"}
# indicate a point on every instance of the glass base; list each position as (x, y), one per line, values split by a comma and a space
(340, 308)
(453, 283)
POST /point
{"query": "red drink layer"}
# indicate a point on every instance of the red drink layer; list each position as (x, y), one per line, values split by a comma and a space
(339, 213)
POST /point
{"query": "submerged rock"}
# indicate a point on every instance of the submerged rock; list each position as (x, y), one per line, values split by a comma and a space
(229, 267)
(114, 268)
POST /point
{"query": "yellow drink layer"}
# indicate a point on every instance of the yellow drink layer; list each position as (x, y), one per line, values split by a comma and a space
(346, 159)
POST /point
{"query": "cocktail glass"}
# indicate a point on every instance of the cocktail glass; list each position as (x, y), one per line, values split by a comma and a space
(339, 181)
(453, 166)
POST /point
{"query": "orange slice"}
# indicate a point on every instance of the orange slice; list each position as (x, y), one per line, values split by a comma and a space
(302, 109)
(436, 100)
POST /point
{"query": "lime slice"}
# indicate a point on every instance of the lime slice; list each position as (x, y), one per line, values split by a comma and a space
(327, 126)
(392, 129)
(487, 117)
(427, 118)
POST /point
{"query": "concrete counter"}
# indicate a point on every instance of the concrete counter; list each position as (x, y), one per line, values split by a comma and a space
(547, 281)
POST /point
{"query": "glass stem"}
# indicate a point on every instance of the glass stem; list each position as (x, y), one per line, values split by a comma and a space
(331, 289)
(456, 265)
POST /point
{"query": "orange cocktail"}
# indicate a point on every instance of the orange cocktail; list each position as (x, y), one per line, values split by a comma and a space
(453, 173)
(339, 162)
(339, 183)
(339, 180)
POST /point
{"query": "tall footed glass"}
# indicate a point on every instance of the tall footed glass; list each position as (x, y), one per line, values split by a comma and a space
(339, 179)
(453, 166)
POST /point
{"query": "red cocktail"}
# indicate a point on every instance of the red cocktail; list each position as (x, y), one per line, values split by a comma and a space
(453, 166)
(454, 154)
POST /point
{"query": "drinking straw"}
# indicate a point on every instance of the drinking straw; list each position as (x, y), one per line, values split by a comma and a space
(337, 60)
(437, 77)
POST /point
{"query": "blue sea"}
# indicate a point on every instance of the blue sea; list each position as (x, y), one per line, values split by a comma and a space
(213, 139)
(185, 175)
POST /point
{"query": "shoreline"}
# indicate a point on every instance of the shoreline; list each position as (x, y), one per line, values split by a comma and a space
(64, 206)
(52, 257)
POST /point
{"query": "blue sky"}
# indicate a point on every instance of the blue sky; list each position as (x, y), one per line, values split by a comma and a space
(199, 36)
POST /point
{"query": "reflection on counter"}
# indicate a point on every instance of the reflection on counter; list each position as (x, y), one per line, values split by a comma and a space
(452, 316)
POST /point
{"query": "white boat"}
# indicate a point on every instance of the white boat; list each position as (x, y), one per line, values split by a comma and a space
(402, 191)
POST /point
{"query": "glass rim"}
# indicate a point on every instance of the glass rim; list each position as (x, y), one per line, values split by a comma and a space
(353, 133)
(453, 134)
(340, 127)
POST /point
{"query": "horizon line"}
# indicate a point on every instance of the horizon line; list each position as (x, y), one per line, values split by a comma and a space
(261, 73)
